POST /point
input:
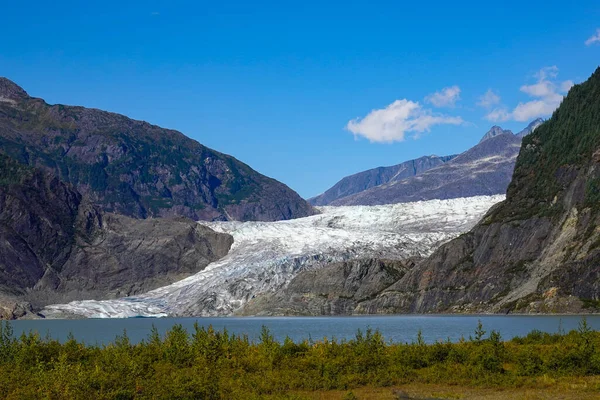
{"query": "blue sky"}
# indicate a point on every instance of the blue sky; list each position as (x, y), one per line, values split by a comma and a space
(308, 92)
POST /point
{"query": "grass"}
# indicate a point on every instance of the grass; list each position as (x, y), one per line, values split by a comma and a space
(543, 388)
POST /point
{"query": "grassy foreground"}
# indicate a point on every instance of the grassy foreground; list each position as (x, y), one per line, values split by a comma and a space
(217, 365)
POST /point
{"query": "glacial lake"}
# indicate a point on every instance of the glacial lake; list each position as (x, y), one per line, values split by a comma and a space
(397, 328)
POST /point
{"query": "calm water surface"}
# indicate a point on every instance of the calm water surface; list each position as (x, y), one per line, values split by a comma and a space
(398, 328)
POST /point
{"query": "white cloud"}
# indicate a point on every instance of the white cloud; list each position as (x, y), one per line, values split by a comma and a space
(547, 72)
(547, 94)
(488, 99)
(392, 123)
(447, 97)
(567, 85)
(541, 89)
(594, 38)
(533, 109)
(498, 115)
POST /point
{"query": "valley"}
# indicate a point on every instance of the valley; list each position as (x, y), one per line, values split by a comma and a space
(266, 256)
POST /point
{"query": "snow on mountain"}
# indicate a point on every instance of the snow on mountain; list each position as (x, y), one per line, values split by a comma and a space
(265, 256)
(530, 128)
(484, 170)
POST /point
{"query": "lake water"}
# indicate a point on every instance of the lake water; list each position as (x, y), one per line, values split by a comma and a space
(398, 328)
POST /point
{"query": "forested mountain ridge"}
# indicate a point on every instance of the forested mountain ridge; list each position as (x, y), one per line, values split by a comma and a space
(137, 169)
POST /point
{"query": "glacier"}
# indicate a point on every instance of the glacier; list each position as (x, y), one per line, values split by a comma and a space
(266, 256)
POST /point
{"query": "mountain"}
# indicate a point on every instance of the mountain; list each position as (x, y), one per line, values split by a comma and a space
(493, 132)
(55, 246)
(539, 250)
(377, 176)
(485, 169)
(270, 257)
(530, 128)
(134, 168)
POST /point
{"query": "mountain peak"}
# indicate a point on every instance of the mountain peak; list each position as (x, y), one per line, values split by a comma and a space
(10, 90)
(531, 127)
(494, 131)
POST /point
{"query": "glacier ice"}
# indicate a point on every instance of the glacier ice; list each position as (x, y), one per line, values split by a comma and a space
(266, 256)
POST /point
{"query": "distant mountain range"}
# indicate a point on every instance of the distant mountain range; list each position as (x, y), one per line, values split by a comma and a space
(135, 168)
(377, 176)
(485, 169)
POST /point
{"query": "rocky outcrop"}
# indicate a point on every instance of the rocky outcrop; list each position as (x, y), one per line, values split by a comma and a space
(56, 246)
(485, 169)
(538, 251)
(124, 257)
(12, 308)
(377, 176)
(341, 288)
(137, 169)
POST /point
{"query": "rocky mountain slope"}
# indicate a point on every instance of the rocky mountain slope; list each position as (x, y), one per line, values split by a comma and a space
(137, 169)
(377, 176)
(538, 251)
(56, 246)
(339, 288)
(485, 169)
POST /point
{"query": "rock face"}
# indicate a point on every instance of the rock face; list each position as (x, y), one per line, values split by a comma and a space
(12, 308)
(337, 289)
(485, 169)
(377, 176)
(538, 251)
(56, 246)
(137, 169)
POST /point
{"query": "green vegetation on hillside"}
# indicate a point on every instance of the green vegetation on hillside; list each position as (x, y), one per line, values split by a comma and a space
(11, 172)
(218, 365)
(551, 155)
(137, 169)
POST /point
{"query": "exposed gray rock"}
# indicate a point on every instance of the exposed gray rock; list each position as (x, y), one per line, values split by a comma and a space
(341, 288)
(125, 256)
(12, 308)
(55, 246)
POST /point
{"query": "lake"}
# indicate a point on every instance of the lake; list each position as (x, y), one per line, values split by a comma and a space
(398, 328)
